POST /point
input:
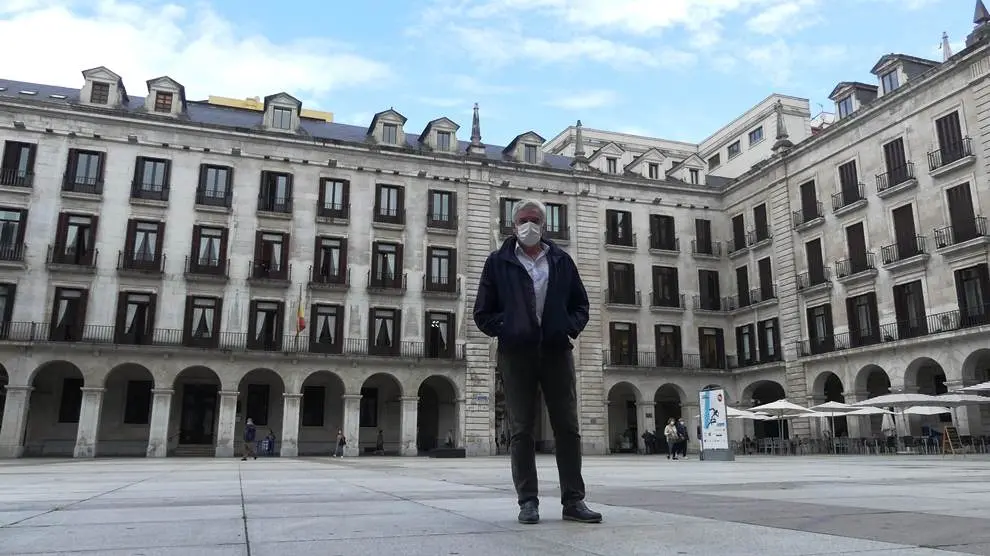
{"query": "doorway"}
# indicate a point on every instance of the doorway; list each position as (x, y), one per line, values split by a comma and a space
(199, 413)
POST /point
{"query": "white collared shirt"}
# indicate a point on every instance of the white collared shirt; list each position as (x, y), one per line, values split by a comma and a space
(539, 271)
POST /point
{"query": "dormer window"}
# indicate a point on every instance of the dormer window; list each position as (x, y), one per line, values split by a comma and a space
(694, 175)
(653, 170)
(390, 134)
(443, 140)
(612, 165)
(845, 106)
(163, 102)
(281, 118)
(100, 93)
(529, 153)
(889, 81)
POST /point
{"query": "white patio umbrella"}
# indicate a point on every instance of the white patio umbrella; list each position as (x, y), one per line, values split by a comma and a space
(866, 411)
(981, 387)
(926, 410)
(832, 409)
(782, 409)
(957, 400)
(899, 401)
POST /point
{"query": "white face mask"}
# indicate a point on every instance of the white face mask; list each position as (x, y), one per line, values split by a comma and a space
(529, 233)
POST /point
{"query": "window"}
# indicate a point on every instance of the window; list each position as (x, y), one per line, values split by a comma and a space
(973, 295)
(653, 170)
(137, 402)
(265, 325)
(209, 250)
(864, 320)
(760, 223)
(714, 162)
(666, 291)
(441, 270)
(621, 283)
(439, 335)
(390, 134)
(257, 403)
(99, 93)
(820, 332)
(443, 141)
(849, 184)
(506, 206)
(556, 224)
(12, 226)
(529, 153)
(331, 260)
(271, 256)
(810, 207)
(755, 136)
(84, 172)
(662, 233)
(859, 260)
(70, 403)
(668, 345)
(845, 106)
(17, 166)
(75, 239)
(694, 175)
(909, 308)
(896, 164)
(327, 332)
(384, 332)
(214, 185)
(734, 150)
(711, 344)
(618, 228)
(816, 262)
(390, 204)
(163, 101)
(742, 286)
(386, 266)
(765, 273)
(738, 232)
(281, 118)
(951, 143)
(313, 405)
(150, 179)
(709, 291)
(333, 198)
(202, 321)
(623, 343)
(768, 334)
(746, 348)
(703, 243)
(135, 318)
(442, 209)
(143, 246)
(889, 81)
(7, 294)
(369, 408)
(275, 194)
(68, 315)
(612, 165)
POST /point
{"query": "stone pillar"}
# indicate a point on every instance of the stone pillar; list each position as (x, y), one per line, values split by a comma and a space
(15, 415)
(352, 424)
(459, 423)
(89, 422)
(691, 413)
(226, 424)
(859, 426)
(409, 426)
(644, 422)
(161, 410)
(290, 425)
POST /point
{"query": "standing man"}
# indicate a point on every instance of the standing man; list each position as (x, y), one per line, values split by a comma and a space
(531, 298)
(250, 432)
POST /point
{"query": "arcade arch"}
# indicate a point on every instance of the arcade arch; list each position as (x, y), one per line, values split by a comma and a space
(125, 417)
(321, 413)
(53, 414)
(381, 410)
(623, 424)
(668, 401)
(764, 392)
(260, 397)
(436, 414)
(195, 412)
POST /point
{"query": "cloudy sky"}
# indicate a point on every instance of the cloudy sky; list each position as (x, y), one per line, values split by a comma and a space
(676, 69)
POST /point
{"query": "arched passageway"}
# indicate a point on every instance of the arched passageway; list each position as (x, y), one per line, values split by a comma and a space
(667, 402)
(53, 412)
(260, 397)
(829, 388)
(381, 411)
(874, 381)
(195, 414)
(925, 376)
(976, 369)
(764, 392)
(436, 414)
(321, 414)
(622, 422)
(125, 418)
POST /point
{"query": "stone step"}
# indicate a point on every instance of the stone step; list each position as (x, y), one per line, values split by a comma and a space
(195, 451)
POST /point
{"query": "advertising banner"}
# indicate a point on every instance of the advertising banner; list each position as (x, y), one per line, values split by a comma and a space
(714, 424)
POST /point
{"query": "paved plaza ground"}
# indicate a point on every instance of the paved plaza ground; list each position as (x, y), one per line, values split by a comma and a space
(792, 506)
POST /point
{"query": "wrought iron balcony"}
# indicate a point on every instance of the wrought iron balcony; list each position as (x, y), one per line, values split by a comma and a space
(895, 177)
(951, 152)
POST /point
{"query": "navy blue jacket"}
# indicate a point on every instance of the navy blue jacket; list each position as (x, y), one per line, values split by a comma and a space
(506, 304)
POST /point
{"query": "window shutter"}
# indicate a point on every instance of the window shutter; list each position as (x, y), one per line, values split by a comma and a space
(187, 321)
(121, 327)
(152, 314)
(129, 240)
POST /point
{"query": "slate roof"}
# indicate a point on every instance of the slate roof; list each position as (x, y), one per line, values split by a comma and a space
(242, 119)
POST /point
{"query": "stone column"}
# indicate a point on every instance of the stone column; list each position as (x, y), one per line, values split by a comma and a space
(290, 425)
(691, 416)
(15, 415)
(459, 423)
(89, 422)
(161, 410)
(644, 422)
(409, 426)
(226, 424)
(859, 426)
(352, 424)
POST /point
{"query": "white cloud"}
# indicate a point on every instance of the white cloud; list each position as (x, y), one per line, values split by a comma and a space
(784, 18)
(776, 62)
(585, 100)
(197, 47)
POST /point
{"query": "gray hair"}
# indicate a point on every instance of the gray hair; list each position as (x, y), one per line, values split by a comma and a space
(528, 204)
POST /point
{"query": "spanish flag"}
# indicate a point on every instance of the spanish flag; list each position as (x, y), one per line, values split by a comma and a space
(300, 314)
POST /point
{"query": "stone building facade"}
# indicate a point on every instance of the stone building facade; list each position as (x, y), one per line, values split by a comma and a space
(170, 268)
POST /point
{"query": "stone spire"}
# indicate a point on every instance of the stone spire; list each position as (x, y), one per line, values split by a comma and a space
(981, 18)
(783, 143)
(476, 146)
(580, 161)
(946, 47)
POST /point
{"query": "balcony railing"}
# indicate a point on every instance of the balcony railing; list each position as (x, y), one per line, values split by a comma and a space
(338, 211)
(763, 293)
(320, 278)
(441, 284)
(895, 176)
(141, 262)
(386, 281)
(207, 267)
(803, 216)
(561, 232)
(894, 252)
(672, 244)
(281, 205)
(41, 332)
(736, 244)
(622, 297)
(58, 254)
(626, 239)
(811, 279)
(951, 235)
(705, 303)
(950, 153)
(442, 221)
(82, 184)
(675, 302)
(13, 253)
(755, 236)
(653, 360)
(210, 198)
(845, 198)
(269, 270)
(150, 191)
(16, 178)
(710, 248)
(390, 215)
(939, 323)
(848, 267)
